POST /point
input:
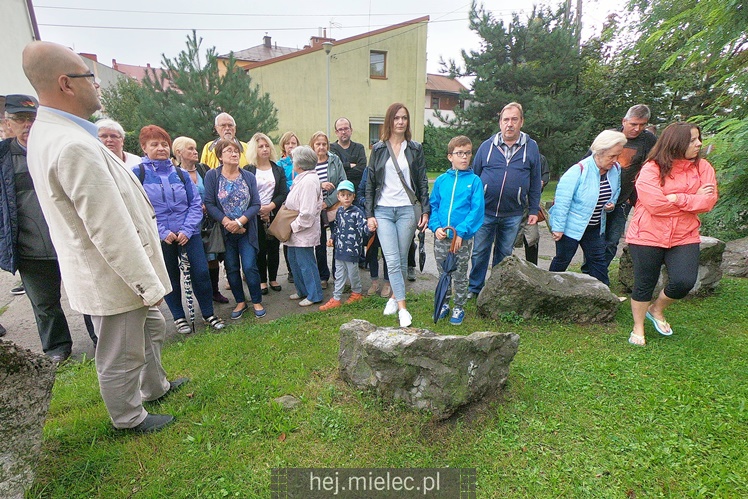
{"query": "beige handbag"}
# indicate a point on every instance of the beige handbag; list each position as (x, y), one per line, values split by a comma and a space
(280, 228)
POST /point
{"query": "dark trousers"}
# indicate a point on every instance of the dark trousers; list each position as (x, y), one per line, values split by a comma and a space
(268, 258)
(320, 251)
(593, 247)
(681, 262)
(42, 281)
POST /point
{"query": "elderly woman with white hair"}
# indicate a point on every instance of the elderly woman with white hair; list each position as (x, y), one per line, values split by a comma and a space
(112, 135)
(583, 193)
(306, 198)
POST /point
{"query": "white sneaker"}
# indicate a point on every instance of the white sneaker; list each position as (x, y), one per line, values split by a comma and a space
(405, 318)
(391, 307)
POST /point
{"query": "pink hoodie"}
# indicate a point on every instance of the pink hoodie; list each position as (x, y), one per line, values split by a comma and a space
(657, 221)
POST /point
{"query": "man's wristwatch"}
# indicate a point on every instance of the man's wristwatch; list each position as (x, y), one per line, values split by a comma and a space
(241, 225)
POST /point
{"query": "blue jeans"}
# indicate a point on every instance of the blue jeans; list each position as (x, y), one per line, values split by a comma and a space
(500, 232)
(396, 227)
(306, 276)
(239, 248)
(199, 275)
(593, 246)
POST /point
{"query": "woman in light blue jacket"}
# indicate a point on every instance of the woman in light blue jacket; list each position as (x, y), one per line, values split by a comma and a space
(583, 193)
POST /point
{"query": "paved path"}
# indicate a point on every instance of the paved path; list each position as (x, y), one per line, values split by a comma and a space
(18, 318)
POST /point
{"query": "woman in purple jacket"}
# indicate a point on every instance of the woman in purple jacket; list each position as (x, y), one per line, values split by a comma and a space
(179, 213)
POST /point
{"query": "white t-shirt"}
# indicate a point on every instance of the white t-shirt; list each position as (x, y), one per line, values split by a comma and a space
(393, 192)
(265, 185)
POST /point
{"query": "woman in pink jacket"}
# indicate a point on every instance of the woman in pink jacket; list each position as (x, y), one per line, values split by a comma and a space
(674, 186)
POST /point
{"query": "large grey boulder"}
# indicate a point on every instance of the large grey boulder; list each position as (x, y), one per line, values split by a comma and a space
(437, 373)
(710, 268)
(735, 258)
(26, 380)
(518, 287)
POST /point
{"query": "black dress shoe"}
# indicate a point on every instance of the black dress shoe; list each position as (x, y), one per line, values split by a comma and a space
(276, 288)
(173, 386)
(153, 422)
(265, 291)
(2, 331)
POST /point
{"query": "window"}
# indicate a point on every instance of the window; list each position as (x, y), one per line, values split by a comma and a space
(378, 64)
(375, 130)
(434, 102)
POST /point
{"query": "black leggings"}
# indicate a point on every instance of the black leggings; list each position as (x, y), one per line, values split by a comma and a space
(682, 263)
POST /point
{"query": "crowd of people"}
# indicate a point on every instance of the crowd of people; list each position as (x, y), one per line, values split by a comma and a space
(178, 216)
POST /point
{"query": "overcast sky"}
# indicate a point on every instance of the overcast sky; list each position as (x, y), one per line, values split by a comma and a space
(139, 31)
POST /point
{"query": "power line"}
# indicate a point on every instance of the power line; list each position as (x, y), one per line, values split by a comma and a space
(141, 28)
(126, 11)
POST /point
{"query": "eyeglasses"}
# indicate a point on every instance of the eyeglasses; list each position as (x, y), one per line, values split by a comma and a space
(462, 154)
(113, 136)
(84, 75)
(341, 130)
(23, 119)
(226, 125)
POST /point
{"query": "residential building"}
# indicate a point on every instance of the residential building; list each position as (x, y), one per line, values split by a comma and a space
(368, 72)
(107, 76)
(442, 95)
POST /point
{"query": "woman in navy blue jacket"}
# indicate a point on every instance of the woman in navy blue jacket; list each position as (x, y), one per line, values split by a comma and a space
(231, 198)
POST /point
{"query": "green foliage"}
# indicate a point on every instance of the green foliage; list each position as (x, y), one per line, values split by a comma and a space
(185, 98)
(435, 140)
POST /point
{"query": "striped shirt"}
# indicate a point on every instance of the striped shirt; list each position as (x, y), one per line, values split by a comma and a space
(602, 199)
(321, 170)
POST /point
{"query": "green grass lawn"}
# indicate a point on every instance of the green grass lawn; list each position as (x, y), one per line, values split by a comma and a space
(584, 413)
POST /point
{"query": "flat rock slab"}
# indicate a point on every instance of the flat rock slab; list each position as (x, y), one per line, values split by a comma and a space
(518, 287)
(427, 371)
(26, 380)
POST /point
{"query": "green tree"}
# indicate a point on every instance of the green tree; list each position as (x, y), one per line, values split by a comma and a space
(534, 61)
(185, 98)
(706, 72)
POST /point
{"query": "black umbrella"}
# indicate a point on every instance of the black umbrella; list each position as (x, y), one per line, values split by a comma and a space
(421, 249)
(445, 279)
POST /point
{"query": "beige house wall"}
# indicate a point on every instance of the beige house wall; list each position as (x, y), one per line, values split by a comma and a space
(297, 84)
(17, 31)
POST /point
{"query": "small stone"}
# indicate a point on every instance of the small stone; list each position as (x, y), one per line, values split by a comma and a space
(288, 402)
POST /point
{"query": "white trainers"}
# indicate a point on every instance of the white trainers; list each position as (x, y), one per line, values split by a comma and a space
(405, 318)
(391, 307)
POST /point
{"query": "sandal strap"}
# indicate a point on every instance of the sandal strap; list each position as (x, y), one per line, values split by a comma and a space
(213, 321)
(181, 322)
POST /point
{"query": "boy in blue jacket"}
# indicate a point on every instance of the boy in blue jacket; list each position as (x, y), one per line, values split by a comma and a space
(348, 235)
(457, 201)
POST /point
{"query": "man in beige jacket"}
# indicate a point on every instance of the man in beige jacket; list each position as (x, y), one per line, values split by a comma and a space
(104, 230)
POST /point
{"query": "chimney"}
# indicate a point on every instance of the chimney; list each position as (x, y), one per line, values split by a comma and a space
(266, 42)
